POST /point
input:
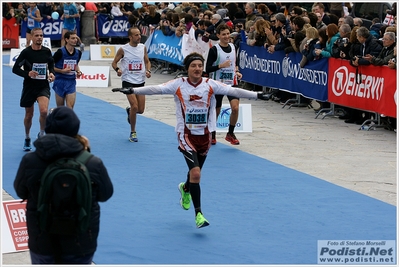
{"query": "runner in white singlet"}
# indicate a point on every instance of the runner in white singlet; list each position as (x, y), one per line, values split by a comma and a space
(135, 66)
(221, 66)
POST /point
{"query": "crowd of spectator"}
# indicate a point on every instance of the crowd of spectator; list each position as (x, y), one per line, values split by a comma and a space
(316, 30)
(20, 10)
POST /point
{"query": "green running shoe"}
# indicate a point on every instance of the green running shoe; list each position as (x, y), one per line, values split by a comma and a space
(185, 199)
(200, 220)
(133, 137)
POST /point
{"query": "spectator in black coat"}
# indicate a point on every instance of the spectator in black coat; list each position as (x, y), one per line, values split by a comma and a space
(153, 17)
(369, 45)
(388, 42)
(312, 19)
(282, 26)
(272, 9)
(210, 32)
(46, 9)
(61, 140)
(320, 8)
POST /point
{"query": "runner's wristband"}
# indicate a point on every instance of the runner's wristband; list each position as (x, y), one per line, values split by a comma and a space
(117, 69)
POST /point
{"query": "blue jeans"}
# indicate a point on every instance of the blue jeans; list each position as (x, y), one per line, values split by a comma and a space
(66, 259)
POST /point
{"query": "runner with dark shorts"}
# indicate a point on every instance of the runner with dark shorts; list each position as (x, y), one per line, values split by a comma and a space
(134, 68)
(221, 65)
(35, 64)
(195, 120)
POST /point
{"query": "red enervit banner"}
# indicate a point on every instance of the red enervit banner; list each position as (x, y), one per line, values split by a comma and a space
(10, 33)
(15, 212)
(370, 88)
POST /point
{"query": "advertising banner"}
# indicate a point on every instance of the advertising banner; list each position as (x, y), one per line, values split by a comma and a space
(103, 52)
(14, 232)
(94, 76)
(10, 33)
(371, 88)
(282, 71)
(116, 27)
(52, 28)
(166, 48)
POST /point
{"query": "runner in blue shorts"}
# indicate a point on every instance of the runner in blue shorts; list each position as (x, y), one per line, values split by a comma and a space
(66, 66)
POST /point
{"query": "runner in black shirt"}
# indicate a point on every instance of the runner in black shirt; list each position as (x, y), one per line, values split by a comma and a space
(37, 71)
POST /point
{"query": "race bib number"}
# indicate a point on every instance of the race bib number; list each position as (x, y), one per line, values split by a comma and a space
(70, 63)
(135, 66)
(31, 22)
(196, 118)
(41, 69)
(226, 77)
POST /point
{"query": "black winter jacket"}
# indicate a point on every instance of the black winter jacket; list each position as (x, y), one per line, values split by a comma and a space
(372, 47)
(27, 184)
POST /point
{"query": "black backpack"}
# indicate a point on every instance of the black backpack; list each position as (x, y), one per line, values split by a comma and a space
(65, 196)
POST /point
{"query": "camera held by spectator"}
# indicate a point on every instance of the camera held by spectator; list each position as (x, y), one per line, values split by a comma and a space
(344, 41)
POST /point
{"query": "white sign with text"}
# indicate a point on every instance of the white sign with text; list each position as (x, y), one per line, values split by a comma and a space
(14, 232)
(244, 122)
(94, 76)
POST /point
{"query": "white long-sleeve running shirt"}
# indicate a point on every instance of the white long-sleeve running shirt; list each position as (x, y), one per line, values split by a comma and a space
(195, 104)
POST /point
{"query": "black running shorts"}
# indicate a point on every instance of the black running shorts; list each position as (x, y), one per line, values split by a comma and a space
(29, 96)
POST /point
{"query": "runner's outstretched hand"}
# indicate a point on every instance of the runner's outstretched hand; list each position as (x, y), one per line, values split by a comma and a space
(126, 91)
(262, 96)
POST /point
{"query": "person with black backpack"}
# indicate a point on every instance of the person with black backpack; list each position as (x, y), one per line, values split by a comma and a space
(63, 183)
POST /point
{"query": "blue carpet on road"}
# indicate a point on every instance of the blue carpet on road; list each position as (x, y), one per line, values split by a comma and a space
(260, 212)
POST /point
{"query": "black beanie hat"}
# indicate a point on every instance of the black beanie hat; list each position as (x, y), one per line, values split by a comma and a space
(63, 120)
